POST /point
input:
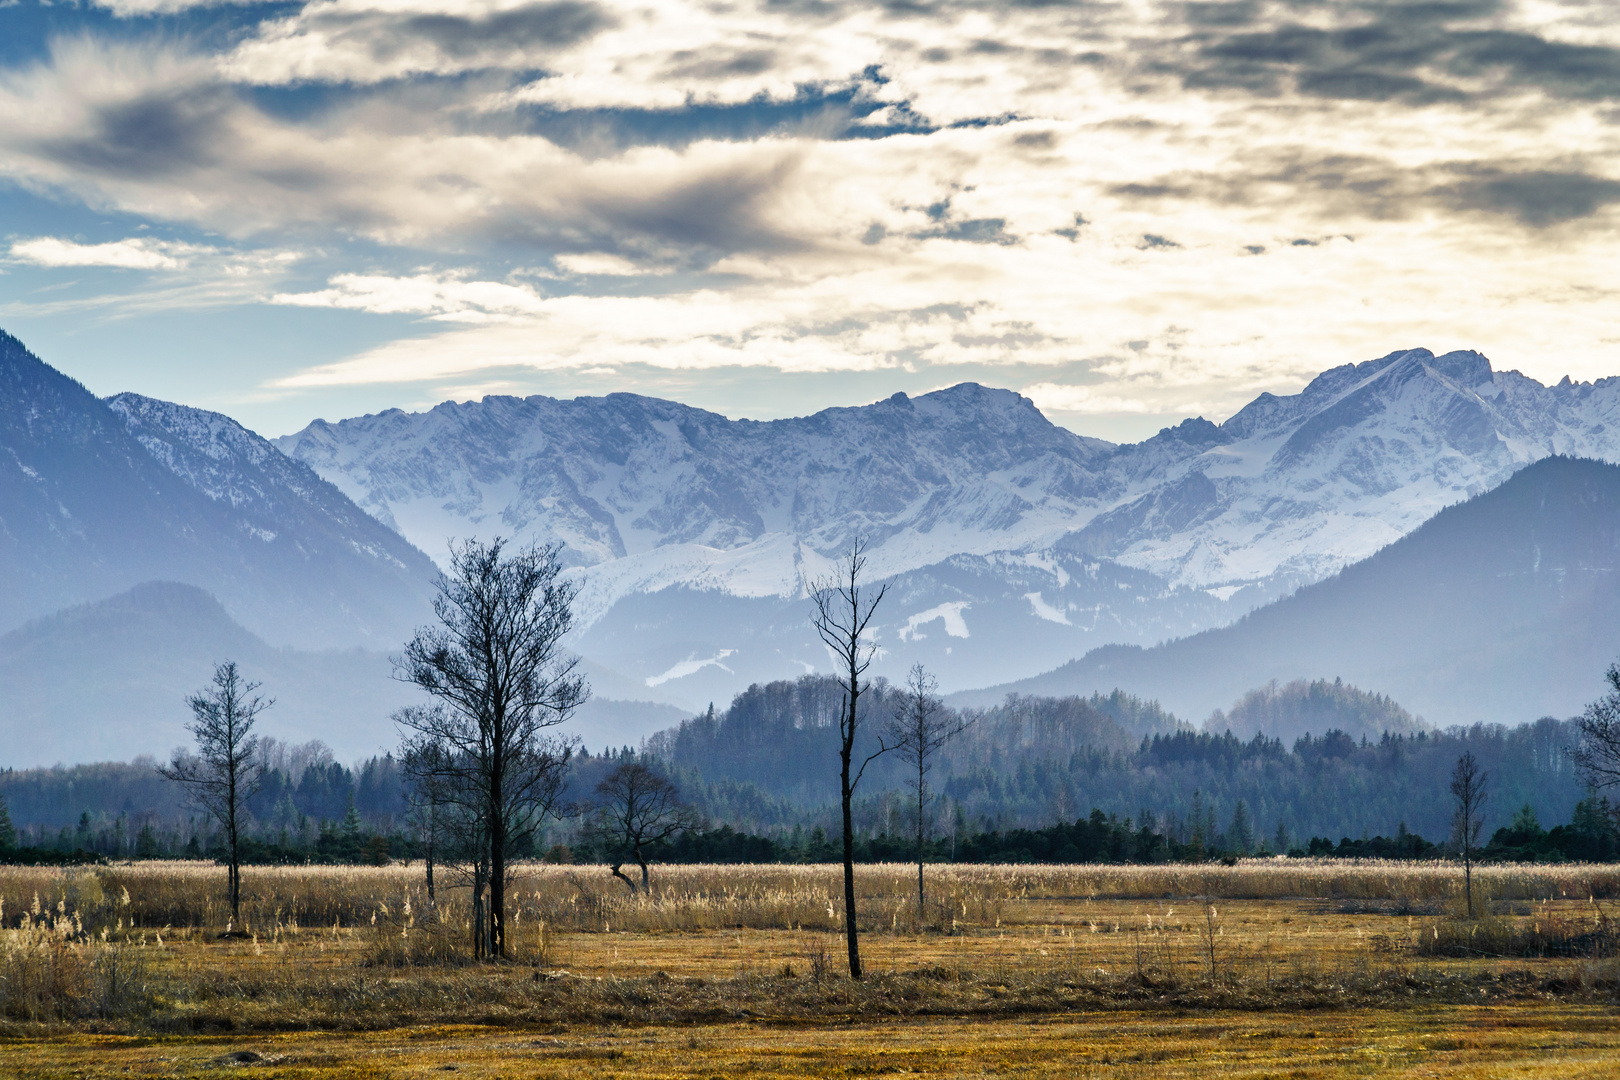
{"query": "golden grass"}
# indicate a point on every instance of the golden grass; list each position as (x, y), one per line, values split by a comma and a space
(1459, 1042)
(771, 897)
(138, 948)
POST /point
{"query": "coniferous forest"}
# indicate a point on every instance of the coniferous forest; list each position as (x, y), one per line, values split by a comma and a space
(1105, 779)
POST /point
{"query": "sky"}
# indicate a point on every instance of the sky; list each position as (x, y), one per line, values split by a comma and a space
(1130, 212)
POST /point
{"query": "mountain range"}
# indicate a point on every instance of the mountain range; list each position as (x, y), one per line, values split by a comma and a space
(1009, 546)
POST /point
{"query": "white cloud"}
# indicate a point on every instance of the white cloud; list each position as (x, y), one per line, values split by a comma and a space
(450, 299)
(133, 254)
(128, 9)
(601, 265)
(1110, 398)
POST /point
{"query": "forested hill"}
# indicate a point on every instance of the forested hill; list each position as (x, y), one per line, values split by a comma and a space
(779, 737)
(1301, 708)
(771, 760)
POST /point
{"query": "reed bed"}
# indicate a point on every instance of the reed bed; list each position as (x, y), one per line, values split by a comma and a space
(584, 899)
(146, 944)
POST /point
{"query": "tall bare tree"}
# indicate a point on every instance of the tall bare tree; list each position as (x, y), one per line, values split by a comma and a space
(226, 770)
(921, 725)
(842, 617)
(637, 808)
(496, 667)
(1468, 788)
(1597, 754)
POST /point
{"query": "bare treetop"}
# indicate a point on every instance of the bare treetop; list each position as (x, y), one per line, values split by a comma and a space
(843, 615)
(1598, 754)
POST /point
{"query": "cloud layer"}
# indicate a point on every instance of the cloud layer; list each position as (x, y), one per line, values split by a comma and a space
(1130, 208)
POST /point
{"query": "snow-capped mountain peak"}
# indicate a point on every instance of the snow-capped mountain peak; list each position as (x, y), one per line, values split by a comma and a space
(648, 495)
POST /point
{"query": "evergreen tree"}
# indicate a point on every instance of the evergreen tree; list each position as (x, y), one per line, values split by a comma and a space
(1240, 834)
(8, 831)
(352, 830)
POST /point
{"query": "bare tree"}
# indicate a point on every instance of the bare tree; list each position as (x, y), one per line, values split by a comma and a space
(921, 725)
(226, 770)
(496, 666)
(1468, 788)
(1598, 753)
(637, 808)
(842, 618)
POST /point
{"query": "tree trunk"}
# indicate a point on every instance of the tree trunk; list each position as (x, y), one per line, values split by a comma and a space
(851, 934)
(497, 861)
(645, 878)
(233, 882)
(921, 778)
(479, 930)
(618, 873)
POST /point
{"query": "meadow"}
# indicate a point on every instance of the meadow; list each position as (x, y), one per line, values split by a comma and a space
(1281, 967)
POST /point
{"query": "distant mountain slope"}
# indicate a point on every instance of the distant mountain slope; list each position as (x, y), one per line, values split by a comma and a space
(973, 503)
(1501, 609)
(96, 497)
(107, 681)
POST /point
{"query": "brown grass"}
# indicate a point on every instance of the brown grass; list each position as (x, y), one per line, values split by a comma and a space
(357, 948)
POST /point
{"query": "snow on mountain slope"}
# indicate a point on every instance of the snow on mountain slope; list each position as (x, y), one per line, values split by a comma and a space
(1293, 488)
(654, 498)
(691, 497)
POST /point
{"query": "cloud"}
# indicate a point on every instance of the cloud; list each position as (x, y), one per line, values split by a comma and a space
(601, 265)
(450, 299)
(1074, 193)
(135, 254)
(131, 9)
(1057, 397)
(363, 41)
(1415, 54)
(1535, 197)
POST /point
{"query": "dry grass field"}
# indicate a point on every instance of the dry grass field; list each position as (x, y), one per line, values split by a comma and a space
(1276, 968)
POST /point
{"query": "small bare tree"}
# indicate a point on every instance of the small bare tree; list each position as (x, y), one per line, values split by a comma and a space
(921, 725)
(496, 666)
(637, 808)
(842, 617)
(1468, 788)
(446, 798)
(1597, 754)
(226, 770)
(428, 806)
